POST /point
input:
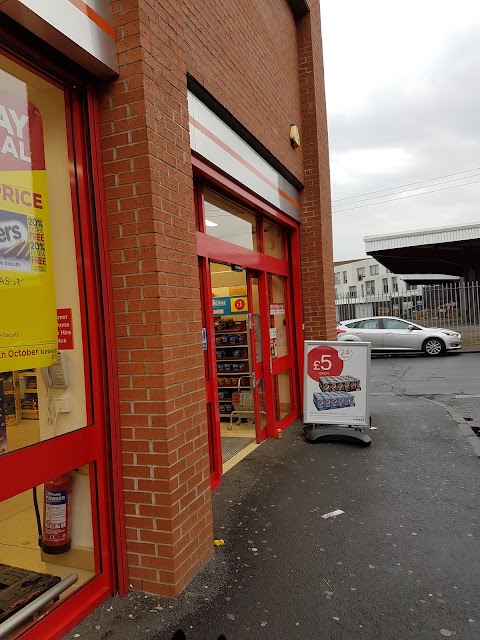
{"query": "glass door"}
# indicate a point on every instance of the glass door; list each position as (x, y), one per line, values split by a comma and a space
(282, 363)
(256, 357)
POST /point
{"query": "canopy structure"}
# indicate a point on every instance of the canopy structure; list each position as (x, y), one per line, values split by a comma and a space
(453, 251)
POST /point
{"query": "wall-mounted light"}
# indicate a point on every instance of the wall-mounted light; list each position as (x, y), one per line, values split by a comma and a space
(294, 136)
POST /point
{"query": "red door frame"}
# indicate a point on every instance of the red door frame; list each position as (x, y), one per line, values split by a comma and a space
(258, 368)
(217, 250)
(89, 445)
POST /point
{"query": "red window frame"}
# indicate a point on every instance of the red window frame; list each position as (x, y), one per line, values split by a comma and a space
(91, 444)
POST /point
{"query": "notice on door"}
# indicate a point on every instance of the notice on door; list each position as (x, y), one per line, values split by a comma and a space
(65, 329)
(28, 333)
(336, 383)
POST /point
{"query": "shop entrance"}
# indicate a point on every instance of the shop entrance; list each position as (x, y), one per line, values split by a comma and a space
(252, 329)
(238, 359)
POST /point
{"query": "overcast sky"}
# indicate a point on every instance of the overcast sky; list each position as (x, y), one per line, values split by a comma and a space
(403, 101)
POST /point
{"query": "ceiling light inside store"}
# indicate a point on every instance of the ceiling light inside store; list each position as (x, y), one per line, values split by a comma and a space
(209, 223)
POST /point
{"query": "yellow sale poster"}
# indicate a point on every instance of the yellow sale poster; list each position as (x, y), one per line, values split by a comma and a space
(28, 326)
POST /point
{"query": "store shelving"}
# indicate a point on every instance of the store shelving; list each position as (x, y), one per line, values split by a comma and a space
(11, 397)
(29, 395)
(232, 361)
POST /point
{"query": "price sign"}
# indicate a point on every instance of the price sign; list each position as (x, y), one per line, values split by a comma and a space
(336, 384)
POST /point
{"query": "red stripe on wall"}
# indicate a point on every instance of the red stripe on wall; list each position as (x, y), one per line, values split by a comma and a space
(238, 157)
(95, 17)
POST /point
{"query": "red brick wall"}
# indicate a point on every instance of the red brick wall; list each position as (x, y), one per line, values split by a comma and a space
(316, 217)
(148, 186)
(245, 54)
(150, 212)
(225, 42)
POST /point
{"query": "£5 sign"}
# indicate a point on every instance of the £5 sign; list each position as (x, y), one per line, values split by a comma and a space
(324, 361)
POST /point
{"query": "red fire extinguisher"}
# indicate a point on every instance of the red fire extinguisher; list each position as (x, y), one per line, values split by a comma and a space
(57, 515)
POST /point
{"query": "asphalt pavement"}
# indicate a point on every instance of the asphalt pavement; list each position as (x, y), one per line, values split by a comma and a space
(400, 562)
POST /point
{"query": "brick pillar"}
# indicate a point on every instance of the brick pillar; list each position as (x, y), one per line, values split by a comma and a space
(151, 221)
(316, 217)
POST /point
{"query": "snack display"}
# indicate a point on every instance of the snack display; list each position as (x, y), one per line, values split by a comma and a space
(339, 383)
(336, 392)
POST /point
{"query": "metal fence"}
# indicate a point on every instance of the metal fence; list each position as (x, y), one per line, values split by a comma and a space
(454, 306)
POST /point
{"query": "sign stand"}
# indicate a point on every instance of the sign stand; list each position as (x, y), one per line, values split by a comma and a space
(334, 433)
(336, 392)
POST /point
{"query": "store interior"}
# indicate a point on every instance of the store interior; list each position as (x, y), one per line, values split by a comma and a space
(233, 362)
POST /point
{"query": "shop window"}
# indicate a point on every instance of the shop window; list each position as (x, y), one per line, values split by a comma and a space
(39, 285)
(273, 240)
(47, 540)
(229, 222)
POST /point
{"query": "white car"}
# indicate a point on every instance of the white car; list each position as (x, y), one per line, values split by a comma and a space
(387, 333)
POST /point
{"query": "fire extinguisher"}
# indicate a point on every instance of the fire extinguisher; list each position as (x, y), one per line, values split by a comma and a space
(57, 515)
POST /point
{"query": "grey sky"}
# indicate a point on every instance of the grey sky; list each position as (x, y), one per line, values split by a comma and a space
(403, 101)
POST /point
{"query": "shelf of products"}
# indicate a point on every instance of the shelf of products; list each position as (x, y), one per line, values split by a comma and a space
(29, 394)
(10, 397)
(232, 359)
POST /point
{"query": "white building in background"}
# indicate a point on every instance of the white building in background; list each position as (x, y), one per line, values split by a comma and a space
(366, 277)
(365, 287)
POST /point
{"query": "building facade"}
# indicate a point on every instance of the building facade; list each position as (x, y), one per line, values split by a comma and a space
(366, 288)
(367, 277)
(166, 247)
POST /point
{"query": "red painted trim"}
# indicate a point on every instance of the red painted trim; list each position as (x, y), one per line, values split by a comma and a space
(213, 412)
(114, 437)
(267, 373)
(228, 253)
(66, 614)
(236, 156)
(286, 422)
(80, 207)
(46, 460)
(216, 178)
(89, 232)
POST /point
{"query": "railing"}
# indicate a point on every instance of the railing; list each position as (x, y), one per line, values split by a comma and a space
(453, 306)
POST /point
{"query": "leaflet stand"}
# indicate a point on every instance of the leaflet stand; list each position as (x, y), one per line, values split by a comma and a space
(334, 433)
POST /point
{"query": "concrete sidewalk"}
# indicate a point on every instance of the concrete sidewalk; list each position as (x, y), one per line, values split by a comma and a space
(401, 562)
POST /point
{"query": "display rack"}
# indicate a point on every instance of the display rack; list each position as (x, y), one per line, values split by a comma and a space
(29, 394)
(232, 360)
(11, 397)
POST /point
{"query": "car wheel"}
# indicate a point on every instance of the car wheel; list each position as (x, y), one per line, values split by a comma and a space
(434, 347)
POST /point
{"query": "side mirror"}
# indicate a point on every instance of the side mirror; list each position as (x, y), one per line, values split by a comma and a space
(411, 327)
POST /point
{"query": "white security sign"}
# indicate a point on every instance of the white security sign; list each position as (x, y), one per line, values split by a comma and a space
(336, 383)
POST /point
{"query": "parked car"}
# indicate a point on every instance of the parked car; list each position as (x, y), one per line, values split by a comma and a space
(387, 333)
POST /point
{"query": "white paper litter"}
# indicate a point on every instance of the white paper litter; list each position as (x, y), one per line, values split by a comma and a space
(332, 514)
